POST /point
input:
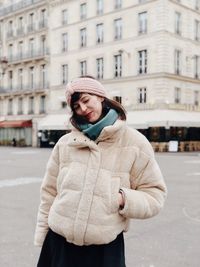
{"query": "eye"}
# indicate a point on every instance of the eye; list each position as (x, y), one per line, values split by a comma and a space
(86, 100)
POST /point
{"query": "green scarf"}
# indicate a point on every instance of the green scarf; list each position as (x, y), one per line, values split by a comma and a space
(93, 130)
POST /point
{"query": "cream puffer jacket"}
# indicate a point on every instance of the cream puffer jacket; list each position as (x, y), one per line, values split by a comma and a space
(79, 193)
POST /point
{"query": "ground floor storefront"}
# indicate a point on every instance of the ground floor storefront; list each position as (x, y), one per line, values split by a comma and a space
(16, 133)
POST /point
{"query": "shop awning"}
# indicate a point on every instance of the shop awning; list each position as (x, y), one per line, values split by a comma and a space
(54, 122)
(143, 119)
(16, 124)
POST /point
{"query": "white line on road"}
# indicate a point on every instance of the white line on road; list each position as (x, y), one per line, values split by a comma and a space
(19, 181)
(193, 173)
(24, 152)
(192, 161)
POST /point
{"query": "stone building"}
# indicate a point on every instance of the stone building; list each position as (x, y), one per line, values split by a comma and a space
(146, 53)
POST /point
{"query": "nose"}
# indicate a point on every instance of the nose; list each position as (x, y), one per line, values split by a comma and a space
(83, 107)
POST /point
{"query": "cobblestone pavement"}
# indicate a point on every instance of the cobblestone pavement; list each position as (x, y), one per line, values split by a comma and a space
(170, 239)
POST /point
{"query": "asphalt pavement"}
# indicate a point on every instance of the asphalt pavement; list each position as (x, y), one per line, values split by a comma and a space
(171, 239)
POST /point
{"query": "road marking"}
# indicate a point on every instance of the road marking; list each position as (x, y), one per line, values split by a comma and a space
(189, 216)
(19, 181)
(25, 152)
(192, 161)
(194, 173)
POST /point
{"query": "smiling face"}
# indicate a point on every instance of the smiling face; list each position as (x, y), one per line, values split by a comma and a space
(89, 107)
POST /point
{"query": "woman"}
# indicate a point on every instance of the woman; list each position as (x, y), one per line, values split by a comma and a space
(98, 177)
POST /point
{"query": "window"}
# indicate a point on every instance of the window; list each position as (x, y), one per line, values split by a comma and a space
(10, 79)
(43, 76)
(177, 59)
(64, 74)
(142, 57)
(10, 106)
(64, 42)
(20, 29)
(197, 30)
(31, 77)
(10, 52)
(31, 22)
(177, 95)
(118, 29)
(197, 4)
(20, 49)
(142, 95)
(196, 98)
(99, 62)
(20, 106)
(64, 17)
(177, 23)
(83, 68)
(83, 37)
(42, 104)
(99, 7)
(196, 67)
(142, 22)
(117, 66)
(31, 47)
(83, 11)
(43, 19)
(10, 29)
(20, 79)
(118, 4)
(31, 105)
(99, 32)
(118, 99)
(43, 45)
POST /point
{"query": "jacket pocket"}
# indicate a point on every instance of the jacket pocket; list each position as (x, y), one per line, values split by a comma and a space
(115, 186)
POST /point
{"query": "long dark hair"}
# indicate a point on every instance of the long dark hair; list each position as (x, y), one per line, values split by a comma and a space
(107, 104)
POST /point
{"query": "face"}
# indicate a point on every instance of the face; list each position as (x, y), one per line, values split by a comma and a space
(89, 107)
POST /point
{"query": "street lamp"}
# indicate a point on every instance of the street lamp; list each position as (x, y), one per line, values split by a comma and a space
(4, 65)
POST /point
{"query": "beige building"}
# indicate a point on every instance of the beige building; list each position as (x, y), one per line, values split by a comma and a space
(146, 53)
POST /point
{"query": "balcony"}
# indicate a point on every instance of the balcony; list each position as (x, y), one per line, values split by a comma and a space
(175, 106)
(17, 6)
(39, 87)
(28, 56)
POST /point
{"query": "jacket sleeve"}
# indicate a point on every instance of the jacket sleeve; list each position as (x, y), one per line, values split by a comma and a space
(148, 191)
(48, 193)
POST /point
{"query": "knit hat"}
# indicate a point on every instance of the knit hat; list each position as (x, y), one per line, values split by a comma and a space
(84, 85)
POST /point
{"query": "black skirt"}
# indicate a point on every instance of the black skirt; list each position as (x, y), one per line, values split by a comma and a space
(57, 252)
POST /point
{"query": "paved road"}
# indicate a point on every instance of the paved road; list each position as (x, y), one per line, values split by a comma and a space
(169, 240)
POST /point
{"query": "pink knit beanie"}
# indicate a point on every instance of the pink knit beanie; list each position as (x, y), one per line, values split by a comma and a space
(84, 85)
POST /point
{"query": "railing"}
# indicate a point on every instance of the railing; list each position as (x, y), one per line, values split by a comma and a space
(187, 107)
(28, 87)
(28, 55)
(22, 4)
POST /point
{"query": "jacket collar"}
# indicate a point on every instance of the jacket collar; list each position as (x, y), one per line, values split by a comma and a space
(109, 134)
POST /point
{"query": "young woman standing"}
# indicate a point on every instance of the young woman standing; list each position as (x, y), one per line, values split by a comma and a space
(99, 176)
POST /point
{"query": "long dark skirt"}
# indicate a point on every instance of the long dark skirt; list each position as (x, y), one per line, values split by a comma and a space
(57, 252)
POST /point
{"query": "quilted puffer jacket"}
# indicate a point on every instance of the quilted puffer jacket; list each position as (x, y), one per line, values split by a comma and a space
(79, 193)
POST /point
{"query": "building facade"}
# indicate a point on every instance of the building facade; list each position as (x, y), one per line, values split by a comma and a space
(145, 52)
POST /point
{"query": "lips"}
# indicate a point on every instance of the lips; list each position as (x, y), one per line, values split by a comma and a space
(89, 115)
